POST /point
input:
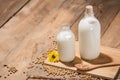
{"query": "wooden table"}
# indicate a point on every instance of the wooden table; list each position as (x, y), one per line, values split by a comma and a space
(28, 27)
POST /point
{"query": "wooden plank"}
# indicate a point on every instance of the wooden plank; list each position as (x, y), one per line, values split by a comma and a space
(108, 55)
(9, 8)
(111, 37)
(105, 11)
(24, 22)
(41, 38)
(117, 75)
(108, 71)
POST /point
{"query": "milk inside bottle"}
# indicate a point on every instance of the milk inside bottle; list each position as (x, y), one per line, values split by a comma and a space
(66, 44)
(89, 35)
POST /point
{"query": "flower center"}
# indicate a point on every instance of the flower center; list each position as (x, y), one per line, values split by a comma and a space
(53, 56)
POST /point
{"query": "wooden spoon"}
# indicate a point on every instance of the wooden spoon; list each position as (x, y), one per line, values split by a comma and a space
(83, 67)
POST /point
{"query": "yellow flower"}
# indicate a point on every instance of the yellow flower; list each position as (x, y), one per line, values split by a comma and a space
(53, 56)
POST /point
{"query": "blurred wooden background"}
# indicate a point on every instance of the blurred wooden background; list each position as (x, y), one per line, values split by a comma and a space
(27, 23)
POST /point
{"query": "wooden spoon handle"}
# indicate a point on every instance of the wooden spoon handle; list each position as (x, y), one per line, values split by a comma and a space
(87, 68)
(107, 65)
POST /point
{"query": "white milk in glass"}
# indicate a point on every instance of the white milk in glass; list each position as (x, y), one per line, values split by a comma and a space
(89, 35)
(66, 44)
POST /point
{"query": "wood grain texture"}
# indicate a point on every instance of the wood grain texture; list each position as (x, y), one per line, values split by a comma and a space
(37, 42)
(105, 11)
(8, 8)
(111, 37)
(24, 22)
(117, 75)
(36, 26)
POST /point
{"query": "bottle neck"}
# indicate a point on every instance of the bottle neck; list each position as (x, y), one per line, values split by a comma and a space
(89, 15)
(65, 27)
(89, 11)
